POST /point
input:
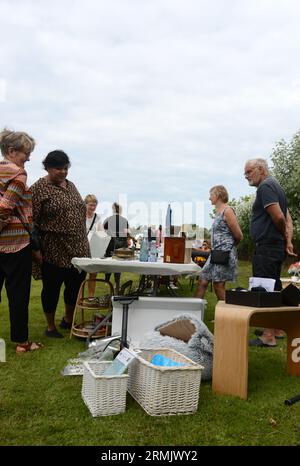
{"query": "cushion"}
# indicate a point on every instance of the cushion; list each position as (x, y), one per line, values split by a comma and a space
(199, 347)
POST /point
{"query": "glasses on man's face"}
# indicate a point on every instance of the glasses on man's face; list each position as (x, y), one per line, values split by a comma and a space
(249, 171)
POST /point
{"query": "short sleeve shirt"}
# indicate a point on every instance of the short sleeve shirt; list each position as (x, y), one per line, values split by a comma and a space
(262, 227)
(116, 226)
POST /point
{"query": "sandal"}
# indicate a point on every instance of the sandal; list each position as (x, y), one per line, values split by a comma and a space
(260, 343)
(29, 346)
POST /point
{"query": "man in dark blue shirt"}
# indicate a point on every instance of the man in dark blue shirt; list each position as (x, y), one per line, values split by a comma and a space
(271, 230)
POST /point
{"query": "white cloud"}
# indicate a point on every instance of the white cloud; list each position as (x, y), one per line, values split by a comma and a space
(159, 100)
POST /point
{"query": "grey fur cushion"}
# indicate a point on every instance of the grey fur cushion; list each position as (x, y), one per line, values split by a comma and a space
(199, 347)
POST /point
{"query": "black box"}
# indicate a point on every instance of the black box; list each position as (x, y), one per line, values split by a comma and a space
(254, 298)
(290, 295)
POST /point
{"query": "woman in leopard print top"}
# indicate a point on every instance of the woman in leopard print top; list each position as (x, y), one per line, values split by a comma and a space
(59, 213)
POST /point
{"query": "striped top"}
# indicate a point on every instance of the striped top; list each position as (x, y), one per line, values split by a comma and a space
(14, 193)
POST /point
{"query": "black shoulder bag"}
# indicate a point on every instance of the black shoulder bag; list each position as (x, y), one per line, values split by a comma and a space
(217, 256)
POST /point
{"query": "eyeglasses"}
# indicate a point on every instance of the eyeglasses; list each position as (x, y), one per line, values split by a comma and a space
(248, 172)
(25, 152)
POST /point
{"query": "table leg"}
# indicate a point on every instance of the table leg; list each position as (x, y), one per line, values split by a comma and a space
(230, 360)
(293, 348)
(155, 285)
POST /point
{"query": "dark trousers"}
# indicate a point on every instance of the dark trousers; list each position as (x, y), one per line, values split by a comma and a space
(53, 277)
(267, 262)
(15, 271)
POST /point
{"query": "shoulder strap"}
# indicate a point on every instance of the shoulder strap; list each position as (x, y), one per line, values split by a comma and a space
(92, 224)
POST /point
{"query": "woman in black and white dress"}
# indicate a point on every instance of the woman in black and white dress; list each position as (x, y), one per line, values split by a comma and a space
(225, 235)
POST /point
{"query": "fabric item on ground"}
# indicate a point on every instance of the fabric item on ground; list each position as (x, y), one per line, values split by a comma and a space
(199, 347)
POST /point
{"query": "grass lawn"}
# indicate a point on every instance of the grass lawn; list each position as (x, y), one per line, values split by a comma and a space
(38, 406)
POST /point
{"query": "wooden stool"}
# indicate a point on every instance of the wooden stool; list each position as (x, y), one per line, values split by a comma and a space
(230, 361)
(85, 313)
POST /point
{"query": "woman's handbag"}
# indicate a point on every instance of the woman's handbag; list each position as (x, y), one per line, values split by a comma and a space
(99, 242)
(35, 239)
(217, 256)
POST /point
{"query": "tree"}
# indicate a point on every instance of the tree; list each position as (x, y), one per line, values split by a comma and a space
(286, 169)
(243, 209)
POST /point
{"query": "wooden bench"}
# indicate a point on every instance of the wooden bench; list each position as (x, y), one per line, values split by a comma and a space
(230, 361)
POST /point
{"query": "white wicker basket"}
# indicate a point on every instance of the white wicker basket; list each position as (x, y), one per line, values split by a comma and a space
(161, 390)
(103, 395)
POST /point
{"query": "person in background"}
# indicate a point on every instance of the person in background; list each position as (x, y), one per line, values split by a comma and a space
(201, 254)
(15, 250)
(205, 245)
(271, 230)
(225, 235)
(117, 227)
(59, 213)
(93, 223)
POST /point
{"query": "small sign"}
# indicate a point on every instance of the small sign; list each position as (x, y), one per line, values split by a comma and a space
(120, 363)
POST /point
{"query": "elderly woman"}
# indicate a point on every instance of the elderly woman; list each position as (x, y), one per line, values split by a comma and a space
(59, 213)
(15, 224)
(93, 223)
(225, 235)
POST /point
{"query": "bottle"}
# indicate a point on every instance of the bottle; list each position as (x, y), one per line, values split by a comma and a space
(159, 242)
(2, 350)
(169, 221)
(144, 250)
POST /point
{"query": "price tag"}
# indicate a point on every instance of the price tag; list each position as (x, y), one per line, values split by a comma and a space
(126, 356)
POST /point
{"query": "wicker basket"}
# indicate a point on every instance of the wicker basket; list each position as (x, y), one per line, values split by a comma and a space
(163, 391)
(96, 301)
(84, 330)
(103, 395)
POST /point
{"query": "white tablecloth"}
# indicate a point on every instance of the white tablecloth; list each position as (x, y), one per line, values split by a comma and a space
(134, 266)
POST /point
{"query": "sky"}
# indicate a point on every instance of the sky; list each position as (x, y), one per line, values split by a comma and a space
(154, 101)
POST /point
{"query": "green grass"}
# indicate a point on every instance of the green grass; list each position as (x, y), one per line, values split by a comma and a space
(38, 406)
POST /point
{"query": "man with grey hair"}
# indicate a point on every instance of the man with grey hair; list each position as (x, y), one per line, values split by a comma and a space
(271, 230)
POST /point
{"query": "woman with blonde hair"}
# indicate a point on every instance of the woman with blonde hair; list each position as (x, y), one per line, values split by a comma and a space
(15, 225)
(225, 235)
(93, 223)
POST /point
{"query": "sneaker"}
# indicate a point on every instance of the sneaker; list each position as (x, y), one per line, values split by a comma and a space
(65, 325)
(53, 333)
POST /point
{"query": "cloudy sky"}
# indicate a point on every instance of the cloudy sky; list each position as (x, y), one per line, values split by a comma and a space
(154, 101)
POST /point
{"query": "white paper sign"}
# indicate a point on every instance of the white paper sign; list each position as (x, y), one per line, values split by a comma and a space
(120, 363)
(267, 283)
(126, 356)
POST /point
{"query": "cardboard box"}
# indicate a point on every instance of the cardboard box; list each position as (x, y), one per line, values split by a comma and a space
(175, 250)
(254, 298)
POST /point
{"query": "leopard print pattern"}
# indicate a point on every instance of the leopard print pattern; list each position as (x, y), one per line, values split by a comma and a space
(60, 215)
